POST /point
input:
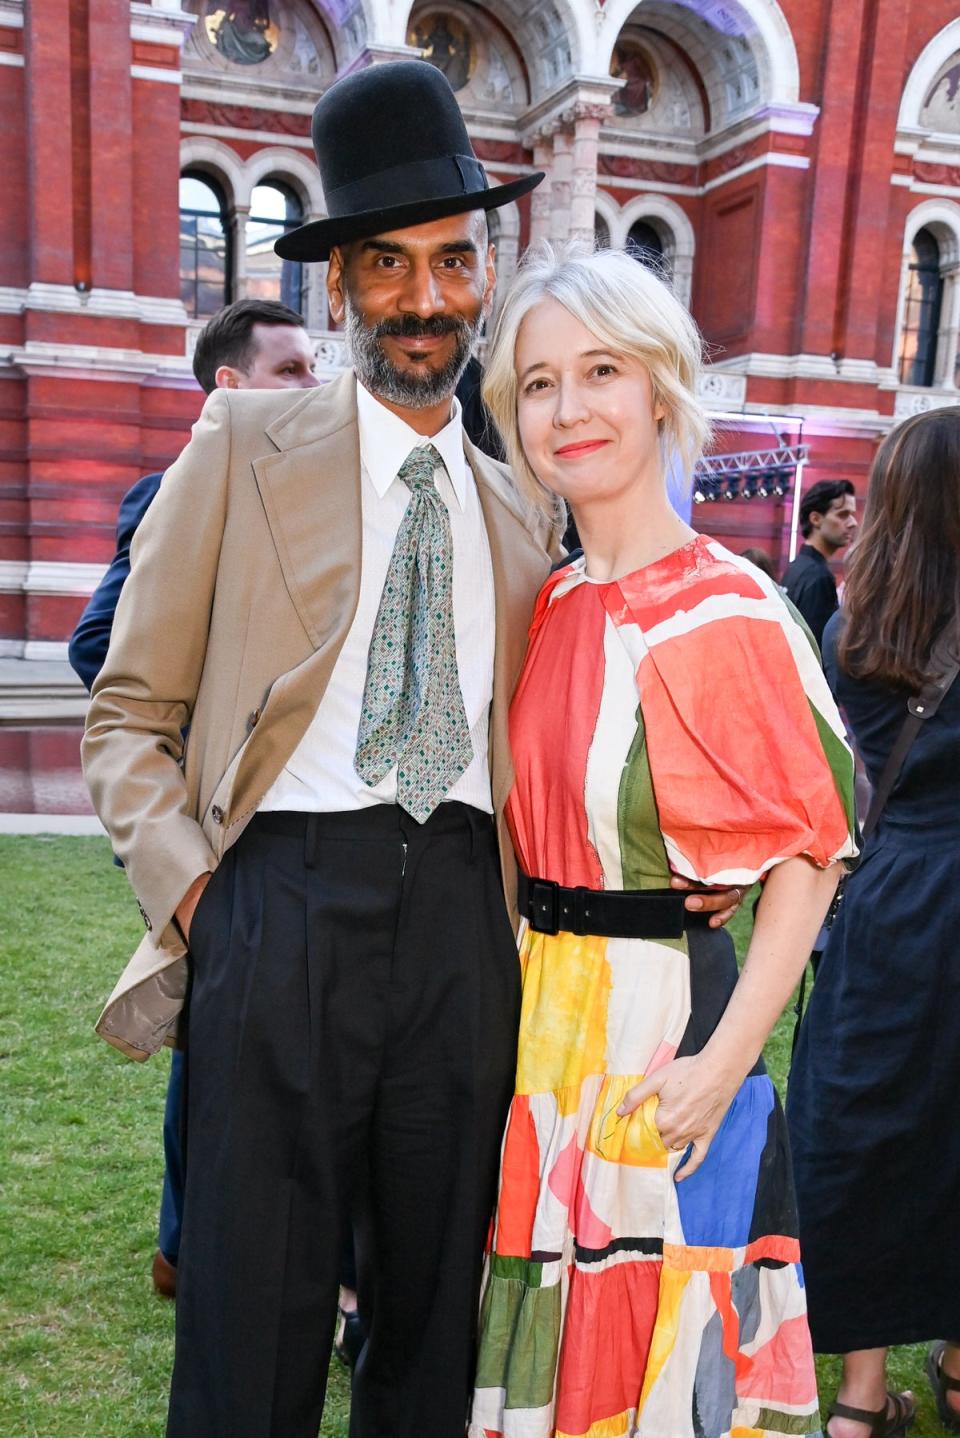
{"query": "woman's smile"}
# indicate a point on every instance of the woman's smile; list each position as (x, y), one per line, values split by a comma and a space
(579, 448)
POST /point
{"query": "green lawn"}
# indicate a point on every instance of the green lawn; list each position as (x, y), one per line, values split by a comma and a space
(85, 1347)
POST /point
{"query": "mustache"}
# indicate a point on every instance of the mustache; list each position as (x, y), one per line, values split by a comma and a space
(412, 327)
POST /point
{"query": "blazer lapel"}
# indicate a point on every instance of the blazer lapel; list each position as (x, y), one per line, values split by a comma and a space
(311, 495)
(520, 565)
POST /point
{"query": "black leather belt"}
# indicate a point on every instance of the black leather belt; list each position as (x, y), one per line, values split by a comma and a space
(610, 913)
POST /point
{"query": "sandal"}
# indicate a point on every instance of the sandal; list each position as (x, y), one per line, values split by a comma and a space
(942, 1384)
(881, 1422)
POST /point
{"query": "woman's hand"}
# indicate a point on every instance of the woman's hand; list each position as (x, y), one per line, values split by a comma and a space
(692, 1099)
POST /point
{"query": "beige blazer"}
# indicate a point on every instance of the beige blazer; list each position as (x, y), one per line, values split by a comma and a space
(244, 582)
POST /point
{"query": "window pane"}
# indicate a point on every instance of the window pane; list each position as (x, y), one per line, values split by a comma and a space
(645, 245)
(269, 277)
(921, 312)
(272, 201)
(197, 194)
(203, 248)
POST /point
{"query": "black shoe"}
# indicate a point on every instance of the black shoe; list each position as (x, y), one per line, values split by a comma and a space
(351, 1336)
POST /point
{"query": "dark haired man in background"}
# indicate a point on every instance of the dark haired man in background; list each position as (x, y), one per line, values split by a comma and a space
(253, 344)
(828, 522)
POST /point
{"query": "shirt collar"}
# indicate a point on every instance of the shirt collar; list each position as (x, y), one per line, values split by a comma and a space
(386, 440)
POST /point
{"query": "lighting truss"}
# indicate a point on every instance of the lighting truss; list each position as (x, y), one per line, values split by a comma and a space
(751, 474)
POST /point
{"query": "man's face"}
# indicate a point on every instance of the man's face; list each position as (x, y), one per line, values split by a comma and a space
(282, 359)
(839, 525)
(413, 303)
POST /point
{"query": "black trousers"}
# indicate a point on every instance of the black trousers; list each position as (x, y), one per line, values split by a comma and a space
(350, 1057)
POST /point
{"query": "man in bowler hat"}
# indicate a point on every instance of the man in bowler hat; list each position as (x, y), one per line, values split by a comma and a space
(339, 610)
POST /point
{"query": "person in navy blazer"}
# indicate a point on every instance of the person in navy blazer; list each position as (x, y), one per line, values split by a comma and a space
(253, 344)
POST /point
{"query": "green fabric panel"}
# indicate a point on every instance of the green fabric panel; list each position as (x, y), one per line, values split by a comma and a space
(841, 764)
(519, 1341)
(642, 851)
(770, 1421)
(643, 854)
(524, 1270)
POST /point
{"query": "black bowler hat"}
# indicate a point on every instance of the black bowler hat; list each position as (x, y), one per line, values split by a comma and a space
(393, 151)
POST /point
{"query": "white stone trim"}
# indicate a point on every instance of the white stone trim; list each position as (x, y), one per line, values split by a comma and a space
(11, 648)
(13, 576)
(772, 157)
(276, 162)
(233, 132)
(207, 154)
(46, 649)
(15, 60)
(93, 362)
(49, 576)
(11, 14)
(114, 304)
(155, 72)
(912, 400)
(934, 54)
(923, 187)
(804, 366)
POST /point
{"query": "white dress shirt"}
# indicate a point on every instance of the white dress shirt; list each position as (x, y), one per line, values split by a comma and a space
(319, 775)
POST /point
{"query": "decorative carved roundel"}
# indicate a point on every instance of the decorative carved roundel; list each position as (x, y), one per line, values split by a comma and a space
(244, 31)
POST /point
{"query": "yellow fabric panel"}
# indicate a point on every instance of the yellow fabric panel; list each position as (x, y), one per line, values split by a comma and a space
(563, 1018)
(672, 1284)
(633, 1139)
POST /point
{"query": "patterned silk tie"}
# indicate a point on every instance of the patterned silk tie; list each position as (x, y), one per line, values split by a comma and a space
(413, 715)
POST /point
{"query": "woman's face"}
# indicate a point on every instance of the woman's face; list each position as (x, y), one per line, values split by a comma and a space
(587, 416)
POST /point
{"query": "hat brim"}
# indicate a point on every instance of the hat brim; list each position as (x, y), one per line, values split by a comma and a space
(316, 240)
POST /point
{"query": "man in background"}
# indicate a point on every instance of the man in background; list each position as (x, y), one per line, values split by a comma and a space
(828, 522)
(253, 344)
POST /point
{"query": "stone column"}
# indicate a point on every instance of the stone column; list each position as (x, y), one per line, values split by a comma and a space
(587, 119)
(237, 252)
(561, 186)
(540, 200)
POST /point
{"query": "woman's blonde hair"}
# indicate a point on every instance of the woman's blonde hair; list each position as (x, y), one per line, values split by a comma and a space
(628, 308)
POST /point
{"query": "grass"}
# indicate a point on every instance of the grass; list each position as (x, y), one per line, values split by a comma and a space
(85, 1347)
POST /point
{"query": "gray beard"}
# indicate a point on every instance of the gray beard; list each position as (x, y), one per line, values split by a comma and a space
(377, 373)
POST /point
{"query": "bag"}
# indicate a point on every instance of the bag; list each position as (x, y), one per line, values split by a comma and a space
(920, 708)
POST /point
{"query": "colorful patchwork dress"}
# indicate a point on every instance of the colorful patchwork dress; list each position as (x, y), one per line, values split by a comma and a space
(674, 721)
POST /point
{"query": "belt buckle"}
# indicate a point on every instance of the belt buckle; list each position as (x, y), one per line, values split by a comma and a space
(544, 905)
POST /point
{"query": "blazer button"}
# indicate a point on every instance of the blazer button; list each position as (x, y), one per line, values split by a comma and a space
(254, 718)
(216, 814)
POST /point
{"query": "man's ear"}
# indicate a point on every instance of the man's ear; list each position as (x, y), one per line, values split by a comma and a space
(491, 278)
(335, 296)
(227, 377)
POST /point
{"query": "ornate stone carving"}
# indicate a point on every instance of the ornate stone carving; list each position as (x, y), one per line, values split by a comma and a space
(932, 174)
(244, 117)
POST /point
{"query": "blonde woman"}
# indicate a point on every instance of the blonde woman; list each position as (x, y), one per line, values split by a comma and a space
(671, 718)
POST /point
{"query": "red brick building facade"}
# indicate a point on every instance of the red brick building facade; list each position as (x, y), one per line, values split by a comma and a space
(794, 165)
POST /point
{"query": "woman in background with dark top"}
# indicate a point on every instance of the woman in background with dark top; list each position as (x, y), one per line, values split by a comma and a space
(872, 1104)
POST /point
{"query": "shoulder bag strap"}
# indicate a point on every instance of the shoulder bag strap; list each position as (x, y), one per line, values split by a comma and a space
(920, 708)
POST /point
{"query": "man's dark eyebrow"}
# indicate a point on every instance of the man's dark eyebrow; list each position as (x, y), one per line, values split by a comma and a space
(391, 247)
(382, 247)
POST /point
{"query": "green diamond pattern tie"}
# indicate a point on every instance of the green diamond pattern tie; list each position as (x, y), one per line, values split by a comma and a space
(412, 714)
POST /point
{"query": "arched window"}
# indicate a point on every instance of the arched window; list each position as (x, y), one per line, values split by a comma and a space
(923, 302)
(274, 209)
(601, 233)
(645, 245)
(204, 246)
